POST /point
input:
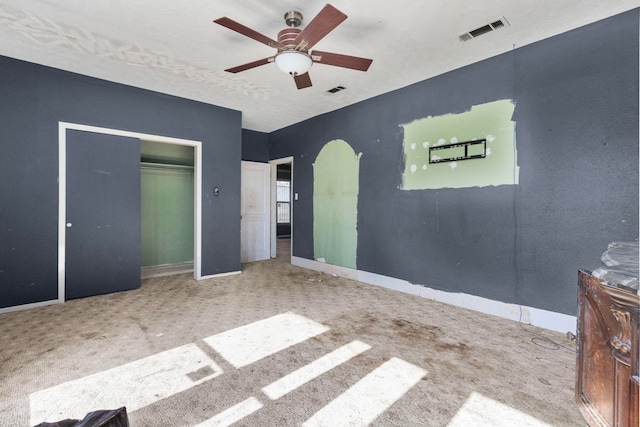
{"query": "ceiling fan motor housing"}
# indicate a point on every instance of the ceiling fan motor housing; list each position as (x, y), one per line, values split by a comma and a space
(286, 38)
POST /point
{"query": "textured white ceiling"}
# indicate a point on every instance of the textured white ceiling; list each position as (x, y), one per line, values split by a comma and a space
(172, 46)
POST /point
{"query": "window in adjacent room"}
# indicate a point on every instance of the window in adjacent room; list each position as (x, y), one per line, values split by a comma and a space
(283, 200)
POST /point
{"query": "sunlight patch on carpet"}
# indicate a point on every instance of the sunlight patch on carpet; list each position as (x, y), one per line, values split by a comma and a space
(371, 396)
(301, 376)
(482, 411)
(233, 414)
(134, 385)
(247, 344)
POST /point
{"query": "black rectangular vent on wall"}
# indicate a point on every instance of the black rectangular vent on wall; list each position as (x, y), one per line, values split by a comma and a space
(336, 89)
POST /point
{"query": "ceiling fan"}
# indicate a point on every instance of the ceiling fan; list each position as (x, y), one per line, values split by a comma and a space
(293, 44)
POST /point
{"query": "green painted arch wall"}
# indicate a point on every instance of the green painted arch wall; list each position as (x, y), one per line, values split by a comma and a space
(335, 204)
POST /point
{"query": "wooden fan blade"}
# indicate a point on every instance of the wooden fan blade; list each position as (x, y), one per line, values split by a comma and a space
(338, 60)
(302, 80)
(246, 31)
(250, 65)
(321, 25)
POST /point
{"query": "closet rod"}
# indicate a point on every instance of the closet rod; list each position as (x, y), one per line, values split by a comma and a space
(164, 166)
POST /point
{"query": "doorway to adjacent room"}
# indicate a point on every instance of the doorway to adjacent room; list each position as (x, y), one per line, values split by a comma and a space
(282, 201)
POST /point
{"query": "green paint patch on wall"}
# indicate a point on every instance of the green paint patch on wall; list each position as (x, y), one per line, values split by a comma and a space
(491, 121)
(335, 204)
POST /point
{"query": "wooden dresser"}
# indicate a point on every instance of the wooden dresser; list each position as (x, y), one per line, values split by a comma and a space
(607, 368)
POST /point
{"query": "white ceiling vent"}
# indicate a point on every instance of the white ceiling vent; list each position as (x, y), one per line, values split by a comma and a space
(495, 25)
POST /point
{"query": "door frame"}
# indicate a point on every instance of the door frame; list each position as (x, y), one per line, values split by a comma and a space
(63, 127)
(274, 218)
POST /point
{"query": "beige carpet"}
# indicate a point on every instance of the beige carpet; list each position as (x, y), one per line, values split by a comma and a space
(281, 346)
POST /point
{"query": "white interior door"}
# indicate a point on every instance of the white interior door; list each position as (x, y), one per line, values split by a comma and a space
(255, 206)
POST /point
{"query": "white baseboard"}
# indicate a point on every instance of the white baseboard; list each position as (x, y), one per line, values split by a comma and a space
(348, 273)
(211, 276)
(28, 306)
(533, 316)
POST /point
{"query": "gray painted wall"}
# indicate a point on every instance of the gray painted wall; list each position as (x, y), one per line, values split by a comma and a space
(576, 119)
(255, 146)
(34, 99)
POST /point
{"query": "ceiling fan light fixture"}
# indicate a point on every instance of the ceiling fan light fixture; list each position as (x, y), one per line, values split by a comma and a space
(293, 62)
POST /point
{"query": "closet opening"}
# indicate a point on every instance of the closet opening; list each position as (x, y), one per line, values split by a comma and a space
(167, 208)
(75, 274)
